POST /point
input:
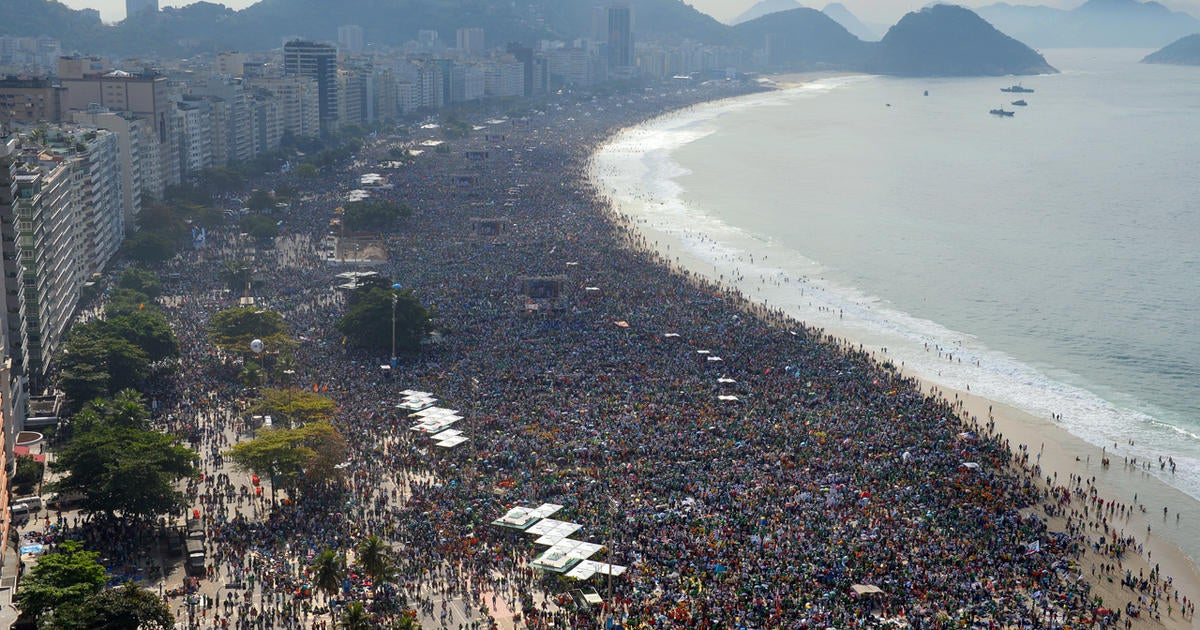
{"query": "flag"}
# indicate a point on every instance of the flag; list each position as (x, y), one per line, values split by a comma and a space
(1033, 547)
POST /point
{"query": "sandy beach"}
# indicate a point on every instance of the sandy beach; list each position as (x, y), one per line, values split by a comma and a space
(1062, 457)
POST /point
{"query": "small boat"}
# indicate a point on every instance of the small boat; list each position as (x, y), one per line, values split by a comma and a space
(1017, 89)
(1020, 103)
(1001, 112)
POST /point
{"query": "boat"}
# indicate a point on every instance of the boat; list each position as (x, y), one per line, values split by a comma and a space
(1020, 103)
(1001, 112)
(1017, 89)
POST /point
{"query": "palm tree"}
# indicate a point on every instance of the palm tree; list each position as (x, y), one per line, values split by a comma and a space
(328, 571)
(355, 618)
(373, 558)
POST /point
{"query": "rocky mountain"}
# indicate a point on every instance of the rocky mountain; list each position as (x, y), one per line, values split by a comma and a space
(1182, 52)
(1095, 24)
(803, 39)
(850, 22)
(766, 7)
(946, 40)
(937, 41)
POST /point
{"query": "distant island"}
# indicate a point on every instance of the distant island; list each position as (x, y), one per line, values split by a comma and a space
(938, 41)
(1182, 52)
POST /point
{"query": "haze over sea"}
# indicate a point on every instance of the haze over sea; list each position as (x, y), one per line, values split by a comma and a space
(1055, 254)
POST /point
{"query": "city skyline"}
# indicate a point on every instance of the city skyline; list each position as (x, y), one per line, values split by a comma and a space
(874, 11)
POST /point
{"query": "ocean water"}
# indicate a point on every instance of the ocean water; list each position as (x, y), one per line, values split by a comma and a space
(1049, 261)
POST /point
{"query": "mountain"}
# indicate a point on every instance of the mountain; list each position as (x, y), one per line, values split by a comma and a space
(1182, 52)
(936, 41)
(850, 22)
(766, 7)
(1095, 24)
(803, 39)
(947, 40)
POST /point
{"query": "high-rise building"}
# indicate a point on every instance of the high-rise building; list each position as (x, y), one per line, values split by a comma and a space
(138, 155)
(230, 63)
(99, 218)
(134, 7)
(470, 40)
(620, 37)
(350, 38)
(299, 104)
(316, 61)
(48, 249)
(29, 101)
(13, 396)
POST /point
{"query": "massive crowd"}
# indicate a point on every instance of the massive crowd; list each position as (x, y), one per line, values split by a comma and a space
(818, 468)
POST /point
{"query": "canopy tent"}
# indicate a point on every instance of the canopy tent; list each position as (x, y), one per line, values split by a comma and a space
(452, 441)
(587, 568)
(551, 531)
(865, 589)
(522, 517)
(564, 555)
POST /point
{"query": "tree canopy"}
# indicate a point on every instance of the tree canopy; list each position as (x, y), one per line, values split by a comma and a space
(295, 407)
(368, 323)
(307, 454)
(145, 282)
(234, 328)
(69, 575)
(95, 365)
(259, 226)
(372, 216)
(127, 607)
(149, 248)
(124, 469)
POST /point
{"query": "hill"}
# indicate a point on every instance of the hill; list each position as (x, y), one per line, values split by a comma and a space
(946, 40)
(850, 22)
(765, 7)
(1182, 52)
(1095, 24)
(803, 39)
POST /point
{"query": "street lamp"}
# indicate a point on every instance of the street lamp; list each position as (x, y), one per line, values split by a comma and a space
(395, 296)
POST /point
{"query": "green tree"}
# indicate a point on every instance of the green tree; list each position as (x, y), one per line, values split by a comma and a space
(149, 248)
(126, 470)
(125, 300)
(127, 607)
(328, 571)
(126, 409)
(148, 329)
(145, 282)
(233, 329)
(356, 617)
(69, 575)
(259, 226)
(261, 201)
(369, 322)
(373, 556)
(96, 365)
(295, 407)
(307, 171)
(308, 454)
(373, 216)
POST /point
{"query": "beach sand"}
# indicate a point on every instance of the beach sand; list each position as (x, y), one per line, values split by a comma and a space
(1060, 452)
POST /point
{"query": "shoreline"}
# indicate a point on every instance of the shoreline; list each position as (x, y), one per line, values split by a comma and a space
(1060, 453)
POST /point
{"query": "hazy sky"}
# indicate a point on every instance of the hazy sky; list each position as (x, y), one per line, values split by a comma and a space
(877, 11)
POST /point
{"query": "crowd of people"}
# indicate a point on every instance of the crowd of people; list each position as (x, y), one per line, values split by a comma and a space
(748, 471)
